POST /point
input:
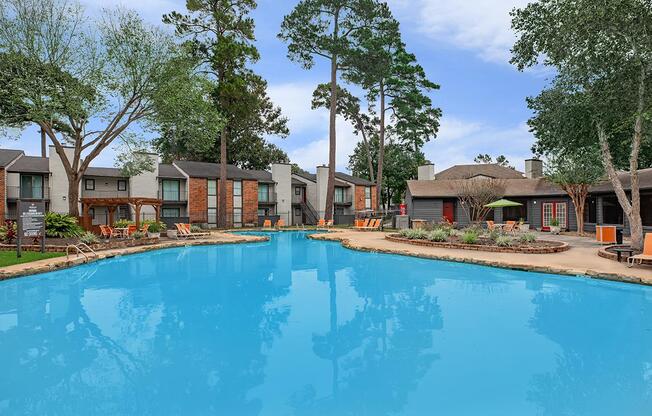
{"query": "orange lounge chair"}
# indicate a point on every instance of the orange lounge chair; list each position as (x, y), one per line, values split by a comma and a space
(267, 224)
(491, 225)
(647, 252)
(107, 232)
(373, 225)
(321, 223)
(188, 229)
(131, 229)
(144, 228)
(363, 224)
(280, 223)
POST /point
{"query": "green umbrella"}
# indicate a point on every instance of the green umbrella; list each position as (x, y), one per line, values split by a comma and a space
(502, 203)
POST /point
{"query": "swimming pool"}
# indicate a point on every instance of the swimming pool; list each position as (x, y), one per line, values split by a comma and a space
(301, 327)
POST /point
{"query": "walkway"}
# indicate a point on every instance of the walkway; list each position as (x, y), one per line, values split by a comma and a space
(581, 259)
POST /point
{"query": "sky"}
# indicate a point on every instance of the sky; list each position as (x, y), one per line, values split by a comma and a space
(463, 46)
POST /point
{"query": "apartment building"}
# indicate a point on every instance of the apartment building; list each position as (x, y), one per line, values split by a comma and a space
(182, 191)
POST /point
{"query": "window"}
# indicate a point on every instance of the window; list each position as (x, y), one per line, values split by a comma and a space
(516, 213)
(122, 185)
(263, 192)
(297, 212)
(89, 184)
(297, 190)
(31, 186)
(263, 212)
(171, 190)
(212, 187)
(123, 213)
(237, 217)
(171, 213)
(612, 213)
(646, 209)
(339, 195)
(212, 216)
(367, 197)
(91, 213)
(237, 188)
(590, 210)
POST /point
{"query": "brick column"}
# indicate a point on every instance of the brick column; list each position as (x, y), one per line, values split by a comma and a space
(198, 200)
(250, 202)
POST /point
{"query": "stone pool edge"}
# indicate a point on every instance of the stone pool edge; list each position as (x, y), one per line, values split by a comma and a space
(590, 274)
(60, 263)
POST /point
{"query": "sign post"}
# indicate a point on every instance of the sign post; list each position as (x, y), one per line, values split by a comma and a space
(31, 223)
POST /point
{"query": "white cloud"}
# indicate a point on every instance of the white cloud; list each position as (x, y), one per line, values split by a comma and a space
(478, 25)
(459, 141)
(151, 10)
(295, 100)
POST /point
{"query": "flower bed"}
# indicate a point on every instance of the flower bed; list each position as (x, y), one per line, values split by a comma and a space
(485, 244)
(61, 248)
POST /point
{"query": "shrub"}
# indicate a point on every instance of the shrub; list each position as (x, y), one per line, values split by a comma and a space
(61, 226)
(469, 237)
(527, 238)
(494, 234)
(122, 223)
(8, 231)
(156, 227)
(503, 241)
(89, 238)
(138, 235)
(439, 235)
(195, 229)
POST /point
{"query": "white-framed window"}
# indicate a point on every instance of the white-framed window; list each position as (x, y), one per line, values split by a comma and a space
(212, 187)
(263, 192)
(367, 197)
(89, 184)
(122, 185)
(237, 188)
(171, 190)
(339, 195)
(170, 212)
(237, 217)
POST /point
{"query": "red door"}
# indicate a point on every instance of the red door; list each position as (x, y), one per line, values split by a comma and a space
(449, 211)
(550, 210)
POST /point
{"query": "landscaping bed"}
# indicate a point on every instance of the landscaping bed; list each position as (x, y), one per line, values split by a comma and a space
(479, 241)
(58, 245)
(610, 253)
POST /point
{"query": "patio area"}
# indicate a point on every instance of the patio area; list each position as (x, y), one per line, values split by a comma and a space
(581, 259)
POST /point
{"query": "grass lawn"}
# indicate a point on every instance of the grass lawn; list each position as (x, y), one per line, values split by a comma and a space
(7, 258)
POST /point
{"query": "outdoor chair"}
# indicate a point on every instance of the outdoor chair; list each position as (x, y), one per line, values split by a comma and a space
(131, 229)
(107, 232)
(321, 223)
(280, 223)
(491, 225)
(374, 225)
(267, 224)
(144, 228)
(647, 252)
(363, 225)
(509, 226)
(188, 229)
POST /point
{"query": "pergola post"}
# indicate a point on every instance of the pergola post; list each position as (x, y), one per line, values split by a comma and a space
(157, 210)
(85, 216)
(137, 208)
(111, 212)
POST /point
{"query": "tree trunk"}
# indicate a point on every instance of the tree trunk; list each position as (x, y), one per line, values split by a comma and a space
(73, 194)
(330, 190)
(372, 176)
(221, 200)
(43, 144)
(578, 194)
(381, 146)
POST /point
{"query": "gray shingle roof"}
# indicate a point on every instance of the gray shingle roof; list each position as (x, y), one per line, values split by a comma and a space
(479, 169)
(353, 179)
(644, 181)
(309, 176)
(261, 175)
(8, 155)
(31, 164)
(109, 172)
(169, 171)
(210, 170)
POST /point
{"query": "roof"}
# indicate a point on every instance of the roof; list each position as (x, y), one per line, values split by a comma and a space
(353, 179)
(109, 172)
(31, 164)
(491, 170)
(210, 170)
(8, 155)
(297, 182)
(166, 170)
(309, 176)
(644, 181)
(261, 175)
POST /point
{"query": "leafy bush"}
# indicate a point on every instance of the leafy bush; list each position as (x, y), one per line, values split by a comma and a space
(138, 235)
(527, 238)
(503, 241)
(156, 227)
(494, 234)
(61, 226)
(8, 231)
(89, 238)
(469, 237)
(554, 222)
(123, 223)
(438, 235)
(195, 229)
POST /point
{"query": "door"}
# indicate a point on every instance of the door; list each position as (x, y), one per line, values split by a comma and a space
(449, 211)
(550, 210)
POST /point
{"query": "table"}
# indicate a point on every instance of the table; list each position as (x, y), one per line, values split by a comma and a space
(622, 250)
(121, 232)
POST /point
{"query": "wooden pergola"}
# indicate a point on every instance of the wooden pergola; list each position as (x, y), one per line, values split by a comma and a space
(112, 203)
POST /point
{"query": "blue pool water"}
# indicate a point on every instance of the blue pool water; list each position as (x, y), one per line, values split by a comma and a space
(301, 327)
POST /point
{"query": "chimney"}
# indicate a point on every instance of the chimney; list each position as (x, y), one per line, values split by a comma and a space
(533, 168)
(426, 172)
(282, 175)
(322, 188)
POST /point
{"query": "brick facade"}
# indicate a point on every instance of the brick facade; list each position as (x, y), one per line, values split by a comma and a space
(198, 200)
(249, 202)
(3, 196)
(359, 198)
(229, 202)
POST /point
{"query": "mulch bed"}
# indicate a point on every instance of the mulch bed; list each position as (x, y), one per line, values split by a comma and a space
(610, 253)
(483, 244)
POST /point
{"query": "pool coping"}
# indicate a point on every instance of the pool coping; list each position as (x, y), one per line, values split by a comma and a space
(591, 274)
(60, 263)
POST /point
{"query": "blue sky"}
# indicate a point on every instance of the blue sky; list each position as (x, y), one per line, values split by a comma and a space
(463, 46)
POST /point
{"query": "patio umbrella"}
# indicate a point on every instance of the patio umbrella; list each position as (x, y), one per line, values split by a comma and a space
(503, 203)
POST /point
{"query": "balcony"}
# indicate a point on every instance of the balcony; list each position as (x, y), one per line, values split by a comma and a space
(346, 200)
(173, 197)
(104, 194)
(15, 192)
(269, 199)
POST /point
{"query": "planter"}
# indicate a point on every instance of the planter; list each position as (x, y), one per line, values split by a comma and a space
(524, 228)
(555, 229)
(153, 235)
(546, 247)
(172, 233)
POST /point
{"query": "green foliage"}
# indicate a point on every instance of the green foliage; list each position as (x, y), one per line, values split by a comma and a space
(195, 229)
(438, 234)
(8, 231)
(494, 234)
(61, 226)
(554, 222)
(414, 233)
(500, 160)
(527, 238)
(138, 235)
(503, 241)
(156, 227)
(469, 237)
(89, 238)
(123, 223)
(8, 258)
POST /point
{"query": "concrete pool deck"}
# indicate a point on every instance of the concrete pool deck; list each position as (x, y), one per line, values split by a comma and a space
(581, 260)
(48, 265)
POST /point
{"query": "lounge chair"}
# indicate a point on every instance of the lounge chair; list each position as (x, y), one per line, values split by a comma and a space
(267, 224)
(187, 227)
(329, 223)
(321, 223)
(363, 225)
(144, 228)
(131, 229)
(491, 225)
(374, 225)
(509, 226)
(647, 252)
(107, 232)
(280, 223)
